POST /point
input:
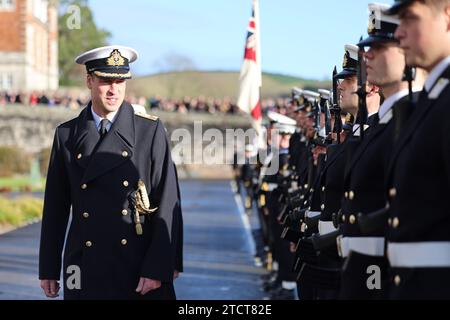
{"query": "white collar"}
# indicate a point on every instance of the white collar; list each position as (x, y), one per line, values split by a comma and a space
(389, 102)
(434, 75)
(111, 117)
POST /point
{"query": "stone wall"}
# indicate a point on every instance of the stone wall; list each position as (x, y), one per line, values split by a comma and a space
(32, 128)
(29, 47)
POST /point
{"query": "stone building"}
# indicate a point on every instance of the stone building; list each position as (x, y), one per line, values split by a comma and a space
(28, 45)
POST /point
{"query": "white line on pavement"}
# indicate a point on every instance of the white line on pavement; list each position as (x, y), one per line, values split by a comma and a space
(245, 221)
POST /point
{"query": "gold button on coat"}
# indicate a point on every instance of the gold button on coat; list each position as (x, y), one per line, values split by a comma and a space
(395, 222)
(86, 215)
(84, 186)
(346, 195)
(88, 244)
(125, 183)
(125, 154)
(351, 195)
(352, 219)
(322, 207)
(124, 212)
(392, 192)
(124, 242)
(397, 280)
(79, 156)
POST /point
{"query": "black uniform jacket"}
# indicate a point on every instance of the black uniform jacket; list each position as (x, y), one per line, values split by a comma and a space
(419, 186)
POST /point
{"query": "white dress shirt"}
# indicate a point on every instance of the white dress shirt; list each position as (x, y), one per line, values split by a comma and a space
(111, 118)
(434, 75)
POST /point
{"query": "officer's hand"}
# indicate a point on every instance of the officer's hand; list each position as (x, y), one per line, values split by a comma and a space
(145, 285)
(50, 287)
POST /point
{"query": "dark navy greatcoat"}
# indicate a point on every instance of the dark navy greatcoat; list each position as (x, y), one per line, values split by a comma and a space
(96, 180)
(418, 179)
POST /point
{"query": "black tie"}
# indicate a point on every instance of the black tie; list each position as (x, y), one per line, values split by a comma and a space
(423, 96)
(103, 130)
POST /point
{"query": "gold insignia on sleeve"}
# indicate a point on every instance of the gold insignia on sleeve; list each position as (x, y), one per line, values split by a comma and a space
(349, 118)
(115, 59)
(112, 75)
(142, 200)
(147, 116)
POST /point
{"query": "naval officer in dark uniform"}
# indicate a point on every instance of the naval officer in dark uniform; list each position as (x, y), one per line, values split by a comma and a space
(332, 190)
(364, 181)
(419, 171)
(112, 168)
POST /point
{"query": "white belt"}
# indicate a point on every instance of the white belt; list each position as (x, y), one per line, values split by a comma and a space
(372, 246)
(294, 186)
(419, 254)
(272, 186)
(326, 227)
(357, 130)
(303, 227)
(311, 214)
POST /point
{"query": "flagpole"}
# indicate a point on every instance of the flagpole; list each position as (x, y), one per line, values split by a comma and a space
(260, 139)
(250, 81)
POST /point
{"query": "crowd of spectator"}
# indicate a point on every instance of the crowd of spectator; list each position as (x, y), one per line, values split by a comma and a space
(200, 104)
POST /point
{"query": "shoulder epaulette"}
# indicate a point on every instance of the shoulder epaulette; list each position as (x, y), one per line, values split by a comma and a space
(147, 116)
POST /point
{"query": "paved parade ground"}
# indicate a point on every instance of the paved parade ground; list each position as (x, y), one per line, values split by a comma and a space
(218, 258)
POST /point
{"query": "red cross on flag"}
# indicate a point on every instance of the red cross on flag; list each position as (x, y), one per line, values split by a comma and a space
(250, 80)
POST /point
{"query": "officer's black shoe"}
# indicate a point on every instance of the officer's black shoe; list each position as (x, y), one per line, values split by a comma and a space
(271, 286)
(283, 294)
(270, 275)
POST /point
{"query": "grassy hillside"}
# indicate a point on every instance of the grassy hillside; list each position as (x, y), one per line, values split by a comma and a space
(213, 84)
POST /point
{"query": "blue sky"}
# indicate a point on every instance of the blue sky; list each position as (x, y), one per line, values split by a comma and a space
(301, 38)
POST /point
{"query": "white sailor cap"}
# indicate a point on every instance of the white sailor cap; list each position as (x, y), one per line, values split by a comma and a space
(298, 100)
(322, 132)
(350, 62)
(109, 62)
(275, 117)
(324, 93)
